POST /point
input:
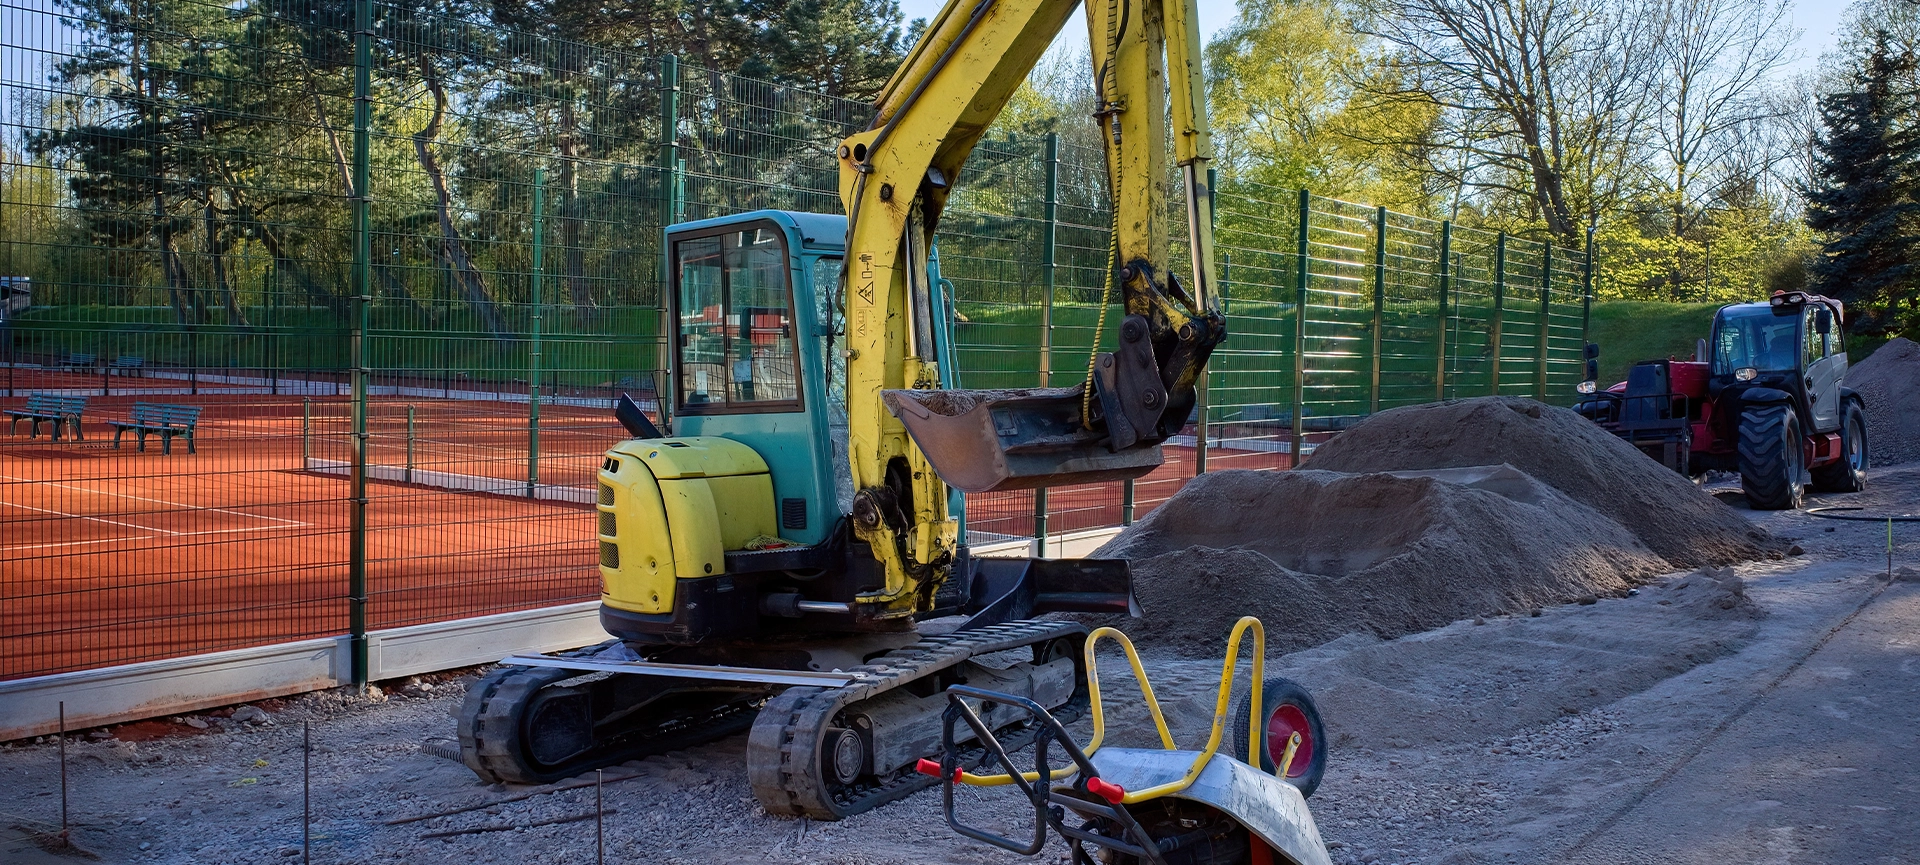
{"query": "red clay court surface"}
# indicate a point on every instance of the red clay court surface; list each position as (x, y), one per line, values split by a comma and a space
(110, 557)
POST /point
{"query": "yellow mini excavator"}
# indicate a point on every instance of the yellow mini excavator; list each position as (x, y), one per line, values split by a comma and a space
(767, 556)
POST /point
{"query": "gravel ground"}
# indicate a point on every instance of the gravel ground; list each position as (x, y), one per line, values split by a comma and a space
(1584, 733)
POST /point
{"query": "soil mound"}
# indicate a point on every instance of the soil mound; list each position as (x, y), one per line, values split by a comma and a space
(1319, 554)
(1671, 516)
(1889, 380)
(1714, 593)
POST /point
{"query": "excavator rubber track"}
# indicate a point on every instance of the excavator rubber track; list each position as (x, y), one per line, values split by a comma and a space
(500, 742)
(785, 750)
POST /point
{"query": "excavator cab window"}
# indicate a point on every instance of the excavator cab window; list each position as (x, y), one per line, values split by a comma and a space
(736, 346)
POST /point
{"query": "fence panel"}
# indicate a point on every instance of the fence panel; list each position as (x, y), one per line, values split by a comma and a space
(181, 196)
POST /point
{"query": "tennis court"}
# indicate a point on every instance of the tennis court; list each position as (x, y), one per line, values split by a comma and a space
(112, 556)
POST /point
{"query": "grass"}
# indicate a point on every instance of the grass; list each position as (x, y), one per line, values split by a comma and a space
(1630, 331)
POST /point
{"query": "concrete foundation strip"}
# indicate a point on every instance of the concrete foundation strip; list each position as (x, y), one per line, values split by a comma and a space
(1714, 734)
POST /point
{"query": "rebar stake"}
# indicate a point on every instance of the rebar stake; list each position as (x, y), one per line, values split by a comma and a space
(306, 792)
(599, 817)
(64, 840)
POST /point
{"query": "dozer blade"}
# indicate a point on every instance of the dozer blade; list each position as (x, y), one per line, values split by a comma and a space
(1004, 590)
(985, 440)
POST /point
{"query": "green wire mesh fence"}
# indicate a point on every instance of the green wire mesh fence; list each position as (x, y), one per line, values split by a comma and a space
(220, 206)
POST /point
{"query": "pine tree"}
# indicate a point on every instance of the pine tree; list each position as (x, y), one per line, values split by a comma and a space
(1866, 176)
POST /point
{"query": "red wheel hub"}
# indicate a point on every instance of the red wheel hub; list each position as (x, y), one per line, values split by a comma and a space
(1281, 725)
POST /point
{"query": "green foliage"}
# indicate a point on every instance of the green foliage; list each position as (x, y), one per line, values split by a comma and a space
(1288, 85)
(1865, 194)
(1725, 255)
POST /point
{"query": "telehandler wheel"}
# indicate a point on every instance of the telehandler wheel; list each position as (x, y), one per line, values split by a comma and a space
(1772, 458)
(1288, 709)
(1849, 473)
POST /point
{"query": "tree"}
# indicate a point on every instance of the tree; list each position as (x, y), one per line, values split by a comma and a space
(1863, 192)
(1539, 102)
(1287, 86)
(848, 48)
(1714, 61)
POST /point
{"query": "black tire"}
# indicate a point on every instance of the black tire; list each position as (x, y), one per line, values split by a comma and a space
(1294, 707)
(1849, 473)
(1772, 458)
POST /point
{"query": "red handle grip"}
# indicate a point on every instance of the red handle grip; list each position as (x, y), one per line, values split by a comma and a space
(1113, 793)
(931, 768)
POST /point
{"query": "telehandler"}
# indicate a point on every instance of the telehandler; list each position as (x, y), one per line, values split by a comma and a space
(1765, 396)
(767, 555)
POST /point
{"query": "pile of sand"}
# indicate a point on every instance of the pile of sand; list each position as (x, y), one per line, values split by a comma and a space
(1319, 554)
(1669, 514)
(1713, 593)
(1889, 380)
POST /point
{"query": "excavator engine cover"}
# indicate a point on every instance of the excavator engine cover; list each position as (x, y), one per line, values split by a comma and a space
(985, 440)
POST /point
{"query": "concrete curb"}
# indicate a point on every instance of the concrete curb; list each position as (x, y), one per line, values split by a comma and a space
(112, 695)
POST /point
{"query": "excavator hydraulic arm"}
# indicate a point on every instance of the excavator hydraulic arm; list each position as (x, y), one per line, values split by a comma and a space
(909, 436)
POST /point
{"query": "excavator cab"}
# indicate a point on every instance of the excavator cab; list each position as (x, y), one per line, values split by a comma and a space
(756, 353)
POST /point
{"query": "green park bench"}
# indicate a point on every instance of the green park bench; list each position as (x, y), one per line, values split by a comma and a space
(165, 420)
(129, 364)
(52, 408)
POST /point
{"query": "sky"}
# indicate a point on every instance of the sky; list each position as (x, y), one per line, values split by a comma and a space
(1816, 19)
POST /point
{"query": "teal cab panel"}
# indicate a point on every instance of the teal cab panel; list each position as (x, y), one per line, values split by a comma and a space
(748, 348)
(757, 355)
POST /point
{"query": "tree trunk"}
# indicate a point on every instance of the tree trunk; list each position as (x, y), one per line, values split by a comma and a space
(578, 288)
(452, 247)
(217, 250)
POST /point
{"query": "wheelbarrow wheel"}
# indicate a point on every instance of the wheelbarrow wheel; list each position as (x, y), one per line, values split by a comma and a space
(1288, 709)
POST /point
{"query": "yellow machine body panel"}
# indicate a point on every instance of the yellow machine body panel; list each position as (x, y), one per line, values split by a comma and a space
(672, 508)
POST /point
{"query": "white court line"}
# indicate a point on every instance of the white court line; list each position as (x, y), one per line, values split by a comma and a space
(168, 532)
(95, 519)
(75, 543)
(291, 523)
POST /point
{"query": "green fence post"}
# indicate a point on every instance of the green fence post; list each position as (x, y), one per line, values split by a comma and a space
(1586, 298)
(1440, 331)
(362, 285)
(1546, 308)
(306, 433)
(1049, 237)
(1499, 307)
(1126, 502)
(533, 345)
(1379, 305)
(1300, 335)
(670, 163)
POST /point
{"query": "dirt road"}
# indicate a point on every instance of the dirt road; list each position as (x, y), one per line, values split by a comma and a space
(1678, 725)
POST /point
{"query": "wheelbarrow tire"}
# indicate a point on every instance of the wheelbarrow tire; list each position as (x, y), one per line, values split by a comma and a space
(1287, 708)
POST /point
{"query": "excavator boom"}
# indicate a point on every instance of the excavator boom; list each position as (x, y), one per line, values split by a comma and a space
(908, 432)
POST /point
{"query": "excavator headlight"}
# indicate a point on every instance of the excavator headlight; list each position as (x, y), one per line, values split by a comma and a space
(1586, 387)
(1745, 373)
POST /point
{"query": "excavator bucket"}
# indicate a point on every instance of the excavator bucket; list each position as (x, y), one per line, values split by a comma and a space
(985, 440)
